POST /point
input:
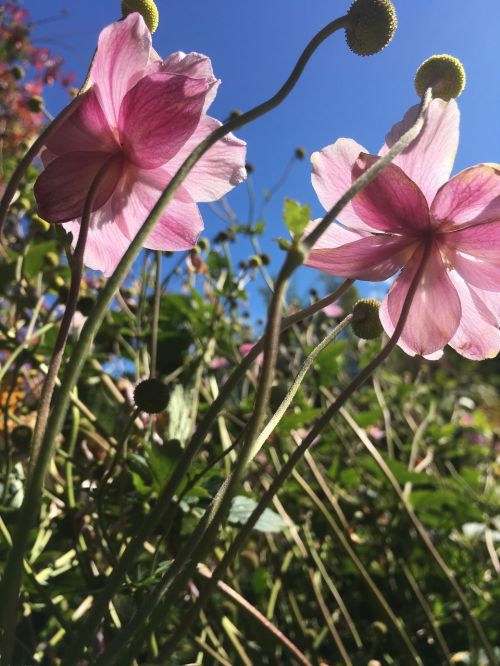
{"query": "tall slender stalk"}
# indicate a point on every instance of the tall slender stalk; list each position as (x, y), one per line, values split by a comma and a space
(200, 541)
(285, 472)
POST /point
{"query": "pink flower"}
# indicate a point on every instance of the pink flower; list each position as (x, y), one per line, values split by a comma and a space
(412, 203)
(333, 310)
(142, 117)
(246, 348)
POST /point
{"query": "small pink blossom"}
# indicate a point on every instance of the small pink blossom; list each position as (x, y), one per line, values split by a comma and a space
(333, 310)
(246, 348)
(411, 205)
(218, 362)
(142, 117)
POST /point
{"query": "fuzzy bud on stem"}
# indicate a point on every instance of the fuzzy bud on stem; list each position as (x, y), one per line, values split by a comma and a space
(151, 396)
(146, 8)
(444, 73)
(366, 321)
(372, 24)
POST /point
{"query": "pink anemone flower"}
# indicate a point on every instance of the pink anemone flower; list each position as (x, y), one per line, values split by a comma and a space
(411, 205)
(141, 117)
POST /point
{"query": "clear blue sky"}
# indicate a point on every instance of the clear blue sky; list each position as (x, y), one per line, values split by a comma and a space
(254, 45)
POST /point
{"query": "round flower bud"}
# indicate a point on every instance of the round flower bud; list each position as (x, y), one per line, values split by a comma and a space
(366, 321)
(21, 437)
(18, 72)
(249, 167)
(151, 396)
(85, 305)
(444, 73)
(372, 24)
(300, 153)
(255, 261)
(146, 8)
(35, 104)
(266, 259)
(203, 243)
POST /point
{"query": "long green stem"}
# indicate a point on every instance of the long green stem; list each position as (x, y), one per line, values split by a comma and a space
(163, 504)
(40, 457)
(290, 464)
(199, 543)
(280, 412)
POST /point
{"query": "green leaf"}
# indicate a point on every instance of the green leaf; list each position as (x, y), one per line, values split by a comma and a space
(35, 257)
(296, 217)
(241, 509)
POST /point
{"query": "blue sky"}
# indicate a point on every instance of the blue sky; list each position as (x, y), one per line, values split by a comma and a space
(254, 45)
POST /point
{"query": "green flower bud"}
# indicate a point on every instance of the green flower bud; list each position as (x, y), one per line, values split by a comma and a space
(203, 243)
(18, 72)
(85, 305)
(151, 396)
(444, 73)
(52, 259)
(266, 259)
(300, 153)
(21, 437)
(35, 104)
(366, 321)
(255, 261)
(249, 167)
(146, 8)
(372, 24)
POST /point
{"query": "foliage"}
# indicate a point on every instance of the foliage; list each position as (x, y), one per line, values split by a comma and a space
(336, 549)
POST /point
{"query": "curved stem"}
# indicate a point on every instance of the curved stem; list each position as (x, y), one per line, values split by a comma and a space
(280, 412)
(41, 452)
(289, 465)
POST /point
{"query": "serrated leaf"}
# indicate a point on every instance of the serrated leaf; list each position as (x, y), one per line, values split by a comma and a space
(296, 217)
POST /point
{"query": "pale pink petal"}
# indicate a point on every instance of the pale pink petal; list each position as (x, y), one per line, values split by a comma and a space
(158, 115)
(86, 129)
(335, 235)
(370, 258)
(122, 55)
(106, 244)
(429, 159)
(193, 65)
(474, 252)
(332, 176)
(435, 310)
(478, 336)
(220, 169)
(391, 201)
(180, 223)
(61, 189)
(470, 197)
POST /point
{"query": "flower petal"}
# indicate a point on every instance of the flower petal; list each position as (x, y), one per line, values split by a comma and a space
(428, 161)
(475, 253)
(105, 245)
(122, 55)
(470, 197)
(391, 201)
(369, 258)
(332, 176)
(61, 189)
(158, 116)
(180, 224)
(86, 129)
(478, 336)
(219, 170)
(192, 65)
(435, 311)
